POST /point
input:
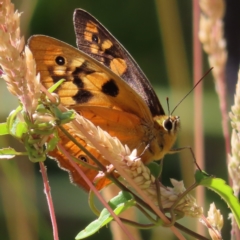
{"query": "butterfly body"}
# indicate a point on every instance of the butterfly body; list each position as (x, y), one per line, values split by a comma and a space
(104, 84)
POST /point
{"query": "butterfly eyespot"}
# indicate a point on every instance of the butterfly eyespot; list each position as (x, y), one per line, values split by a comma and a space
(168, 125)
(83, 158)
(95, 38)
(60, 60)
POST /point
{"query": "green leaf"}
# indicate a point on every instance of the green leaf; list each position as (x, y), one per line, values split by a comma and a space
(16, 127)
(56, 85)
(120, 203)
(219, 186)
(9, 153)
(34, 155)
(51, 145)
(64, 117)
(4, 129)
(155, 169)
(201, 175)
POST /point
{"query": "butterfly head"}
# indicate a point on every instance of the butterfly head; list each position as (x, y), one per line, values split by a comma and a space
(171, 124)
(166, 133)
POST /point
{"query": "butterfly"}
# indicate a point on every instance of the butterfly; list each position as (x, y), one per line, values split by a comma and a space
(104, 84)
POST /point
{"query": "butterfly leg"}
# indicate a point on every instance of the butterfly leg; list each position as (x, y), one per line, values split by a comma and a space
(176, 150)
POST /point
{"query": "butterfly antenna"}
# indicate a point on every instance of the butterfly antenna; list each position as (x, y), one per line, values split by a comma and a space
(192, 89)
(167, 99)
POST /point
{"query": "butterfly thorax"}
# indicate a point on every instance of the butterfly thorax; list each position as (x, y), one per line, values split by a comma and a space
(165, 132)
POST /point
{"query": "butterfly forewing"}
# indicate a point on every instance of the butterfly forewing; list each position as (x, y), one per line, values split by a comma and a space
(87, 82)
(94, 39)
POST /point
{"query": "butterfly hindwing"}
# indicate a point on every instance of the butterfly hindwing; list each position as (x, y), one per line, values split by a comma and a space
(94, 39)
(79, 156)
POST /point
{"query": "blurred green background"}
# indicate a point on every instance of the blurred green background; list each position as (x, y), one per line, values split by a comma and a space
(137, 25)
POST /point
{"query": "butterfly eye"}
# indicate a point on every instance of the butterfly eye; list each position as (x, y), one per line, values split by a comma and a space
(95, 38)
(168, 124)
(60, 60)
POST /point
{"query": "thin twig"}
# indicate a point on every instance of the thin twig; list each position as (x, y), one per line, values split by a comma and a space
(47, 191)
(198, 102)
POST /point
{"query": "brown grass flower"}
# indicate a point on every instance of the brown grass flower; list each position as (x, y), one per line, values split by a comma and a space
(234, 158)
(216, 220)
(211, 34)
(16, 61)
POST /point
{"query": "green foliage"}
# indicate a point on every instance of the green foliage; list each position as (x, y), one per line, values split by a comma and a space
(120, 203)
(220, 187)
(38, 135)
(155, 169)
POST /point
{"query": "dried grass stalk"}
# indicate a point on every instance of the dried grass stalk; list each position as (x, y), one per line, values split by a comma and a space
(16, 61)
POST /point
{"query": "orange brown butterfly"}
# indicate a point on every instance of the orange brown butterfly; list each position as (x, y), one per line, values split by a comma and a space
(104, 84)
